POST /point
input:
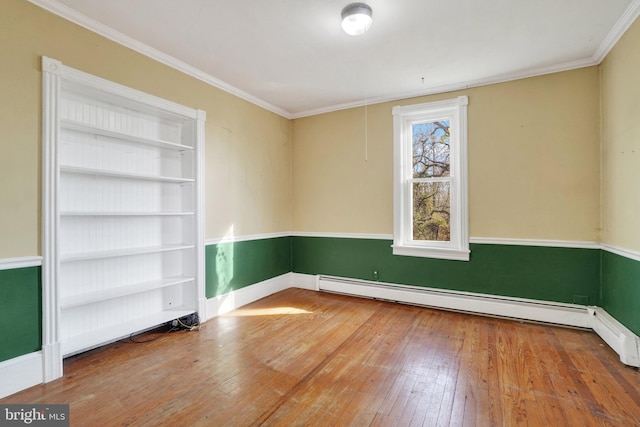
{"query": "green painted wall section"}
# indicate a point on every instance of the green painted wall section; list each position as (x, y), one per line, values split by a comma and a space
(552, 274)
(543, 273)
(621, 289)
(20, 312)
(232, 266)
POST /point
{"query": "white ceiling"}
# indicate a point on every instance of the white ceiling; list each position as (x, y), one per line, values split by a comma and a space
(292, 57)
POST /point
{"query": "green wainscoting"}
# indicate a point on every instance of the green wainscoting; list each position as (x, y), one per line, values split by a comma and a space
(543, 273)
(621, 289)
(234, 265)
(585, 276)
(20, 312)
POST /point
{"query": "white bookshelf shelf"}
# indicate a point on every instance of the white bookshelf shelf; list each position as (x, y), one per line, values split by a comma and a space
(123, 240)
(125, 214)
(71, 301)
(123, 175)
(122, 252)
(95, 130)
(77, 343)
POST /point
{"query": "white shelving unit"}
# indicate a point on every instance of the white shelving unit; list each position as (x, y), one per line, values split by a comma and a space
(123, 234)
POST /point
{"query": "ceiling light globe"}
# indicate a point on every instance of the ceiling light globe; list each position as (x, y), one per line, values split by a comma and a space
(356, 19)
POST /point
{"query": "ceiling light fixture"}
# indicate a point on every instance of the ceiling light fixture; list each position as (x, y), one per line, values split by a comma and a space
(356, 18)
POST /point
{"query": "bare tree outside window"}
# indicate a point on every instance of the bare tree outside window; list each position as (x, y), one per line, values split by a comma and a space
(430, 209)
(431, 184)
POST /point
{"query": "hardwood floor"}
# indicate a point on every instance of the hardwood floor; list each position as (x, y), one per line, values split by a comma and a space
(301, 358)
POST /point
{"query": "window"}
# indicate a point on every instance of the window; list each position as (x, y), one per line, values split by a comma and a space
(430, 180)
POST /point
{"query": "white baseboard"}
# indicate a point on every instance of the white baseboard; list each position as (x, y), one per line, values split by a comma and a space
(518, 308)
(225, 303)
(228, 302)
(26, 371)
(52, 361)
(20, 373)
(304, 281)
(616, 335)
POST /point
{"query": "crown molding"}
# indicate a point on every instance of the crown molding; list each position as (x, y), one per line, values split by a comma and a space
(144, 49)
(502, 78)
(625, 21)
(623, 24)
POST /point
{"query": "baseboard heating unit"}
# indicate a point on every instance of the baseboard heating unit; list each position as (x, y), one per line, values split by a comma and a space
(616, 335)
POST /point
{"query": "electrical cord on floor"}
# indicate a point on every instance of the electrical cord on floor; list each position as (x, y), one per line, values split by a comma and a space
(190, 322)
(131, 340)
(174, 325)
(195, 327)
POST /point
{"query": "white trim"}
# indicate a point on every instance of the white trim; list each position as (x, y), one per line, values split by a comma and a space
(627, 253)
(404, 118)
(343, 235)
(578, 244)
(304, 281)
(246, 238)
(52, 358)
(20, 373)
(52, 361)
(616, 335)
(503, 78)
(381, 99)
(21, 262)
(201, 274)
(425, 252)
(598, 56)
(618, 30)
(53, 67)
(26, 371)
(146, 50)
(478, 240)
(535, 242)
(494, 305)
(223, 304)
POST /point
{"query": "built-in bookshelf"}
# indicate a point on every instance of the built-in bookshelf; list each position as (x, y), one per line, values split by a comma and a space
(123, 217)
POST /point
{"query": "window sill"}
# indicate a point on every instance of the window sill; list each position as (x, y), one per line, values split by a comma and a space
(438, 253)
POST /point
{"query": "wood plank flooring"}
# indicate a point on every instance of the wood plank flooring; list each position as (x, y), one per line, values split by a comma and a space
(302, 358)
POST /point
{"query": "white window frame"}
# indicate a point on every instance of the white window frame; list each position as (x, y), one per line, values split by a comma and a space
(404, 117)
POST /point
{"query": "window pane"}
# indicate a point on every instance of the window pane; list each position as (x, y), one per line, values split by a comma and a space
(431, 149)
(431, 211)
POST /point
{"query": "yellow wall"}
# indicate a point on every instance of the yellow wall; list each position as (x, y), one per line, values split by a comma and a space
(534, 147)
(248, 149)
(620, 86)
(342, 182)
(533, 162)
